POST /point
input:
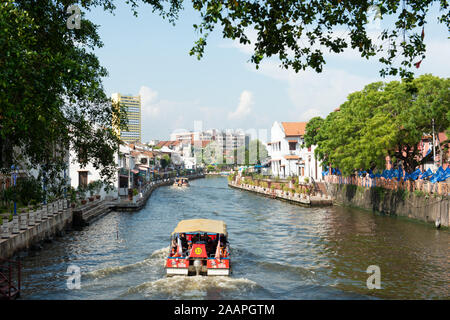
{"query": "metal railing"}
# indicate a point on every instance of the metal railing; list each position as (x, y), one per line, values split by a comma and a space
(10, 279)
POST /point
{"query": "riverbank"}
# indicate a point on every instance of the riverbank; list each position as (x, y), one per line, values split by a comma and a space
(138, 202)
(418, 206)
(296, 198)
(29, 230)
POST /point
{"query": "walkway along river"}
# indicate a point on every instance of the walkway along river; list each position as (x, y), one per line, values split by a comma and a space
(280, 251)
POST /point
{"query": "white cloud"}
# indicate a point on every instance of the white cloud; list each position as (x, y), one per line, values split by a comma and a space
(149, 104)
(244, 107)
(315, 94)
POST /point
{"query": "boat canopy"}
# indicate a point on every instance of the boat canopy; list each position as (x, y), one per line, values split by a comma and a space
(201, 225)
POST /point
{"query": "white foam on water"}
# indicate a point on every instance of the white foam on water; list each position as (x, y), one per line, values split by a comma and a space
(179, 286)
(155, 259)
(160, 253)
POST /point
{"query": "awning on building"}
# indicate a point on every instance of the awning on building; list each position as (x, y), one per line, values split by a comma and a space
(135, 171)
(292, 157)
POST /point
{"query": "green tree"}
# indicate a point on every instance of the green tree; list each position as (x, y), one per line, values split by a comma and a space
(51, 94)
(312, 127)
(165, 161)
(384, 119)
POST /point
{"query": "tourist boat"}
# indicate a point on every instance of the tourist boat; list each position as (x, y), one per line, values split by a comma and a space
(181, 182)
(199, 247)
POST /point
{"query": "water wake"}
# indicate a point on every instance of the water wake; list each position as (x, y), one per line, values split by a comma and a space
(179, 286)
(156, 258)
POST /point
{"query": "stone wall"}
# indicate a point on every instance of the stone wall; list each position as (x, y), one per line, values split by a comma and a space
(37, 227)
(396, 202)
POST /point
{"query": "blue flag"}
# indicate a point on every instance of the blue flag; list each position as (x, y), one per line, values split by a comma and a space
(415, 174)
(427, 174)
(400, 173)
(439, 175)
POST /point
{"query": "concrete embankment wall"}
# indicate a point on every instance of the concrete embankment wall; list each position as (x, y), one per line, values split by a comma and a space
(42, 230)
(420, 207)
(297, 198)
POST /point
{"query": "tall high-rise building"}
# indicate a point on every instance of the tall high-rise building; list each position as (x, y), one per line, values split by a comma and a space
(133, 109)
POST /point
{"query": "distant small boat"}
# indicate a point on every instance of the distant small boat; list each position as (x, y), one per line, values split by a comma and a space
(199, 247)
(181, 182)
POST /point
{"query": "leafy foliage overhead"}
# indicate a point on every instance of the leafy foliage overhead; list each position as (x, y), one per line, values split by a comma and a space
(299, 32)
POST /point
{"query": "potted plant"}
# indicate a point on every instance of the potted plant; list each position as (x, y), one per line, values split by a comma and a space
(91, 189)
(72, 193)
(97, 188)
(82, 194)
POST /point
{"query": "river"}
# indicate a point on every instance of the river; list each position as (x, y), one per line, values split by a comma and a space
(279, 251)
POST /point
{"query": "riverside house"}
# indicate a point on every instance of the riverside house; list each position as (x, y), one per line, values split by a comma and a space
(288, 155)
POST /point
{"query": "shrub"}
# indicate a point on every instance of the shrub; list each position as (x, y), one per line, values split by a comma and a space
(419, 193)
(81, 192)
(135, 192)
(27, 190)
(306, 179)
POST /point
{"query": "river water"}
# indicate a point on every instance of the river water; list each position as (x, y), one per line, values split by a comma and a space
(279, 251)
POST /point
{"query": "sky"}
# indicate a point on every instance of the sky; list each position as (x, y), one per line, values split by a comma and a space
(147, 55)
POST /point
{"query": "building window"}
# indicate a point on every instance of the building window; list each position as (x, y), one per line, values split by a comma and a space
(292, 145)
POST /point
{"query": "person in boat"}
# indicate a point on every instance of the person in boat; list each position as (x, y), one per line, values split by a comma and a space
(224, 252)
(197, 238)
(173, 251)
(184, 242)
(189, 249)
(173, 245)
(209, 246)
(223, 241)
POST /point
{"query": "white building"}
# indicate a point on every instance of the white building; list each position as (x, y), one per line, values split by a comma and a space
(84, 175)
(288, 155)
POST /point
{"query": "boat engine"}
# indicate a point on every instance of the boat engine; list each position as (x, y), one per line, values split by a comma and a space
(198, 266)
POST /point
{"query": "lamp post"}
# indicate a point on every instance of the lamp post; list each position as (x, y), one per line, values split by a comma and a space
(44, 186)
(65, 184)
(434, 151)
(14, 176)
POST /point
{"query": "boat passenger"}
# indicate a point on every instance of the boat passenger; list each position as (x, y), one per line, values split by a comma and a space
(223, 240)
(189, 249)
(197, 238)
(184, 242)
(209, 246)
